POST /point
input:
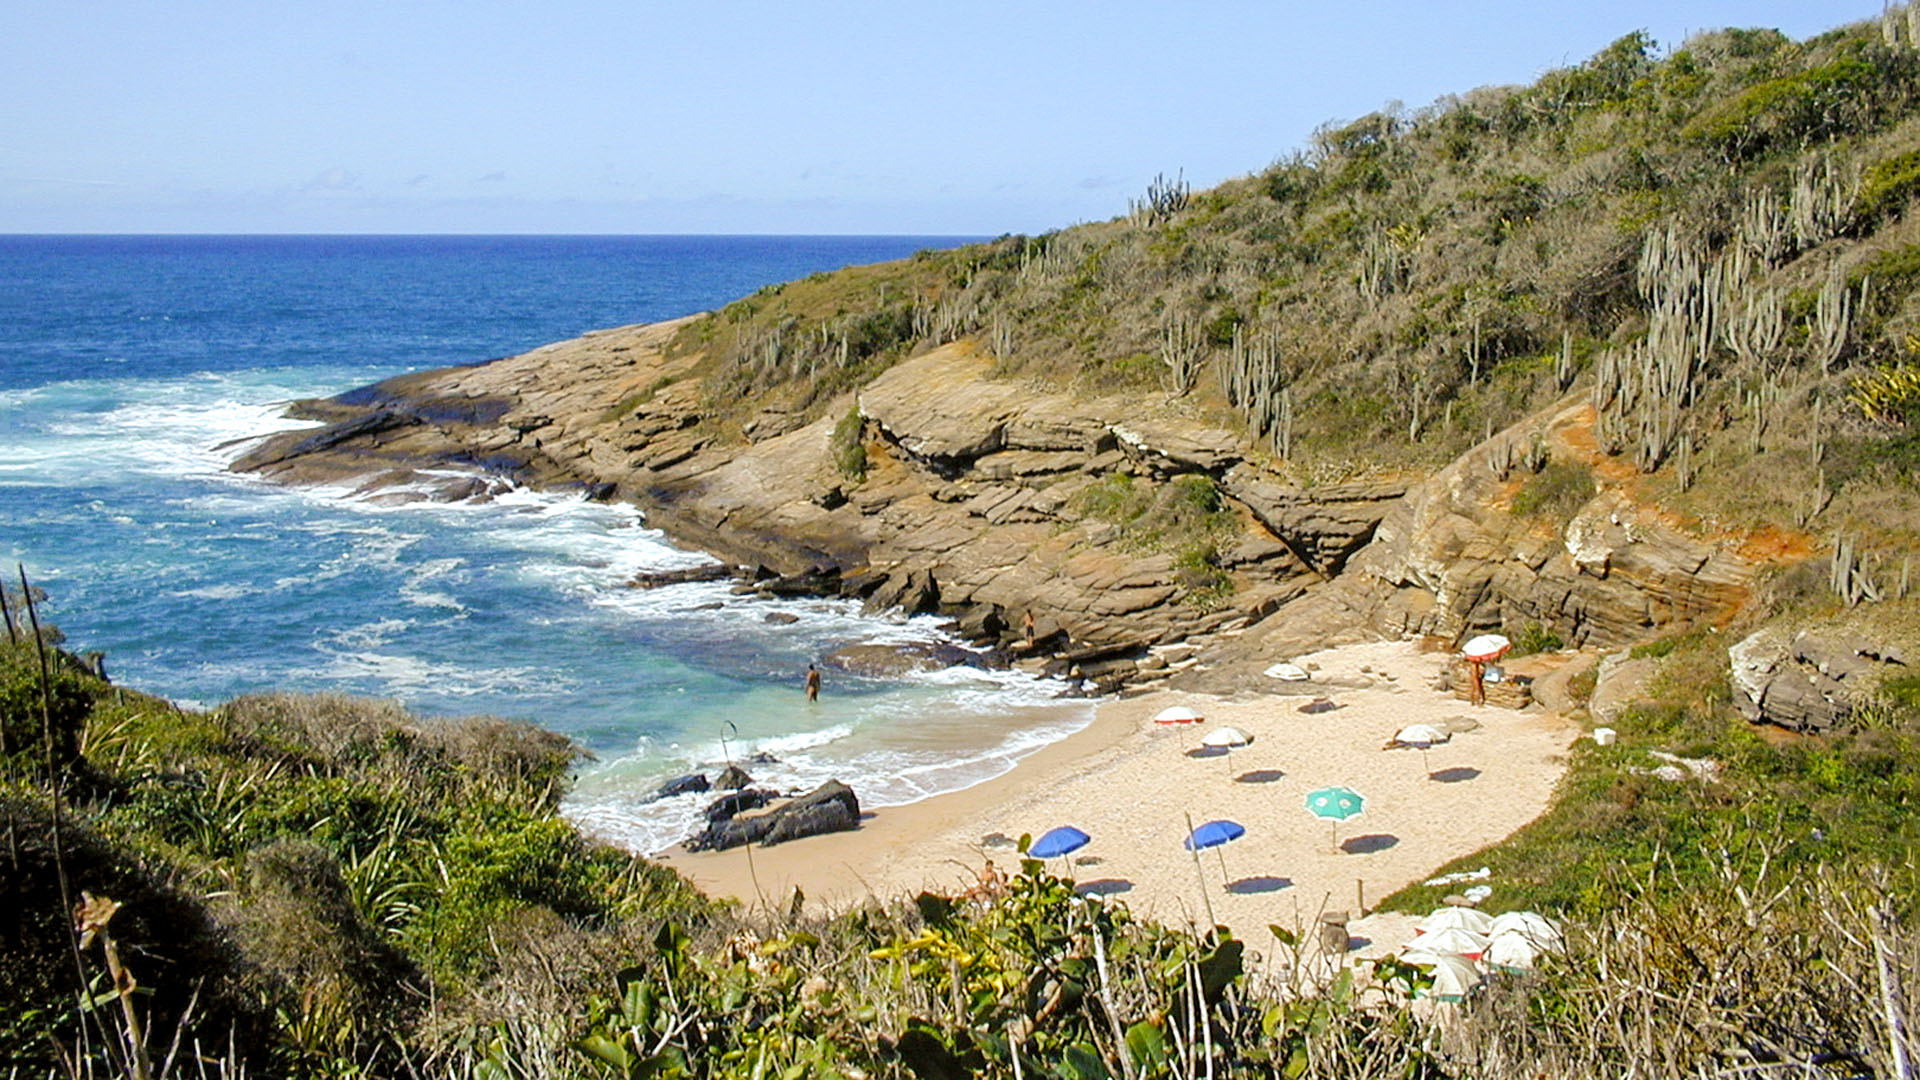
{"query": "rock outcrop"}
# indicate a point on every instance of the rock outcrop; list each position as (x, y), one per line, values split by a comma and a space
(1810, 681)
(831, 807)
(975, 503)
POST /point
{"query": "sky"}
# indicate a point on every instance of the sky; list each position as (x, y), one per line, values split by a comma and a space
(922, 117)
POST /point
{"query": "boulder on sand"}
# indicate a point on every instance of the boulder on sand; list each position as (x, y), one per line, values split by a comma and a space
(831, 807)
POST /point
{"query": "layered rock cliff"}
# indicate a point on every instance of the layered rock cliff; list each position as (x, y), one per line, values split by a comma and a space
(986, 498)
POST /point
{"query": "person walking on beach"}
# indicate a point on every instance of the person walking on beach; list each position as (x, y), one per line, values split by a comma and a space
(813, 683)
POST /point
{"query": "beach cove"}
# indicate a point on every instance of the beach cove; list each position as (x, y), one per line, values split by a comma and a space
(1132, 785)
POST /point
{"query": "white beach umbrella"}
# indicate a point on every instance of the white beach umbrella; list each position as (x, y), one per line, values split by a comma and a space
(1421, 737)
(1457, 918)
(1535, 927)
(1452, 941)
(1486, 648)
(1512, 951)
(1286, 672)
(1453, 979)
(1177, 714)
(1226, 738)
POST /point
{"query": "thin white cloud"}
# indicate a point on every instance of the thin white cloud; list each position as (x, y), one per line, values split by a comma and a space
(495, 177)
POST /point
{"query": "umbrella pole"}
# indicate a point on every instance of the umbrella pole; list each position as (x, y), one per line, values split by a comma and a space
(1201, 873)
(1224, 883)
(1423, 763)
(1333, 836)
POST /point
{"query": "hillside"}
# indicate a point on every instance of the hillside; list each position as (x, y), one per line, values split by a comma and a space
(1663, 303)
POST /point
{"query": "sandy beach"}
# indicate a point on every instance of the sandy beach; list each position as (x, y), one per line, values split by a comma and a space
(1133, 785)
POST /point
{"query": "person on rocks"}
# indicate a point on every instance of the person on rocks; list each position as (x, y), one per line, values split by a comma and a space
(1026, 625)
(813, 683)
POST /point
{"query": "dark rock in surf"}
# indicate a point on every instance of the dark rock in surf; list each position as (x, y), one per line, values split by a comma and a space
(831, 807)
(733, 779)
(690, 784)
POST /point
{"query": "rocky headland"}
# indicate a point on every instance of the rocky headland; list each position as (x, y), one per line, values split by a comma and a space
(986, 497)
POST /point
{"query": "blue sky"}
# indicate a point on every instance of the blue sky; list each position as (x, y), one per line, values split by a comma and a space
(963, 118)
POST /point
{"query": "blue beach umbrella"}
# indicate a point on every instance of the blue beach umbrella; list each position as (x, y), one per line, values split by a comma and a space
(1335, 804)
(1057, 842)
(1213, 834)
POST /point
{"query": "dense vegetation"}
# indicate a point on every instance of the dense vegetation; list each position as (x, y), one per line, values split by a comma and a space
(1714, 243)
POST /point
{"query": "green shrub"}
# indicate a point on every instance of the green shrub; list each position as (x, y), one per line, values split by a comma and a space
(1556, 491)
(1888, 186)
(1532, 637)
(32, 732)
(849, 446)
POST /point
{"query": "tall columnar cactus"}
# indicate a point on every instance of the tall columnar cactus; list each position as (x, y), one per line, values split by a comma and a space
(1180, 352)
(1163, 200)
(1823, 198)
(1832, 319)
(1762, 229)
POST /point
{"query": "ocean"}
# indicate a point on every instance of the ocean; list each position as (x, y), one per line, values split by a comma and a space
(134, 369)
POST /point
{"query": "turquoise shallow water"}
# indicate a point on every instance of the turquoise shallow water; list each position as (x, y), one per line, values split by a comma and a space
(133, 369)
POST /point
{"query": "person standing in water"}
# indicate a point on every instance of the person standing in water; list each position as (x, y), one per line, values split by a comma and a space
(813, 683)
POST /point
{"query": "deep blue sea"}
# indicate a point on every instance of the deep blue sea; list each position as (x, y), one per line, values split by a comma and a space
(133, 369)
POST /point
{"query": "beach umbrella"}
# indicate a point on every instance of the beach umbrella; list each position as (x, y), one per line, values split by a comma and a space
(1335, 804)
(1177, 714)
(1057, 842)
(1486, 648)
(1226, 737)
(1421, 737)
(1453, 941)
(1453, 979)
(1512, 951)
(1286, 672)
(1534, 927)
(1457, 918)
(1214, 834)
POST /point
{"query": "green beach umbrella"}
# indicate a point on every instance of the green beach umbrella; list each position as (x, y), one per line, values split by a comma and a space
(1335, 804)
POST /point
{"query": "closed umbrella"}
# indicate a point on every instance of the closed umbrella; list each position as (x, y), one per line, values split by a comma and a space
(1334, 805)
(1457, 918)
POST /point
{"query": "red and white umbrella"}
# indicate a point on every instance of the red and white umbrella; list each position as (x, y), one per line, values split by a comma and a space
(1177, 714)
(1486, 648)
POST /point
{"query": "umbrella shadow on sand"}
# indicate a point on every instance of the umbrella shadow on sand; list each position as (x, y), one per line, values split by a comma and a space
(1368, 844)
(1260, 776)
(1207, 752)
(1266, 883)
(1106, 886)
(1455, 775)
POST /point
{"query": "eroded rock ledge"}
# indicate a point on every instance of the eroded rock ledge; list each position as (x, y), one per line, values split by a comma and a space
(970, 506)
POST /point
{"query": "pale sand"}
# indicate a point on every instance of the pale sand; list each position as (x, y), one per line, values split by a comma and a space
(1131, 785)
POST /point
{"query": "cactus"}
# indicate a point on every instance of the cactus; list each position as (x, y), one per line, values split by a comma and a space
(1832, 319)
(1163, 200)
(1822, 200)
(1180, 351)
(1847, 573)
